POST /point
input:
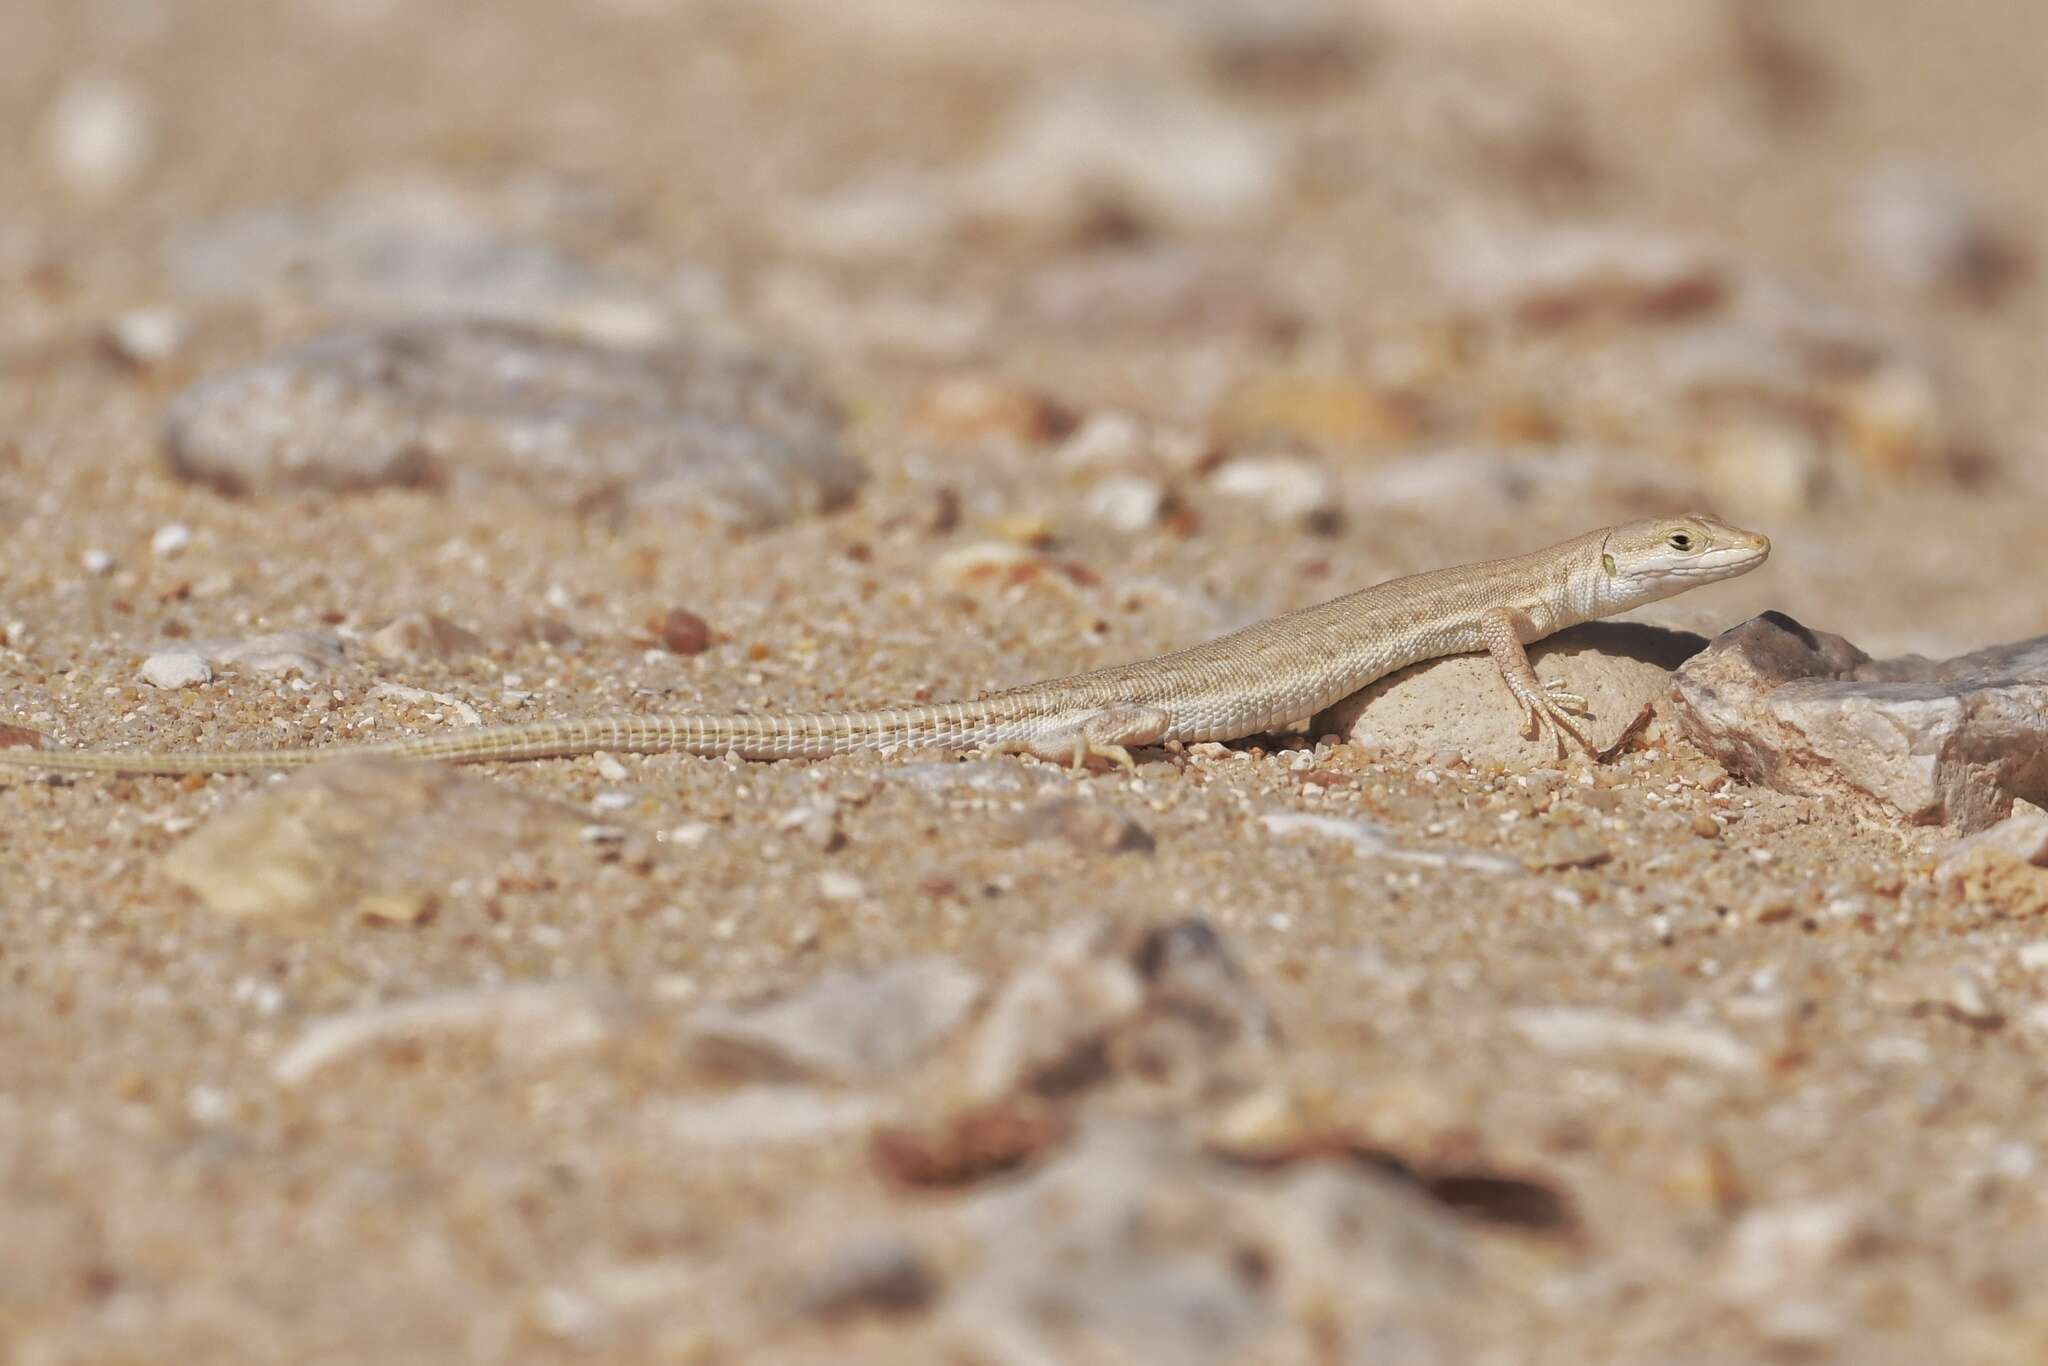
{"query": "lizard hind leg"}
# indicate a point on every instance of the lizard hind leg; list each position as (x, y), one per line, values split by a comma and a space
(1104, 732)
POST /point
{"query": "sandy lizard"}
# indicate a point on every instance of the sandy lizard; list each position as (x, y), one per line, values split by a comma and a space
(1277, 671)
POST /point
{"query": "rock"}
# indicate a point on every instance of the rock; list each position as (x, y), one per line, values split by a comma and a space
(1948, 742)
(1287, 488)
(1923, 227)
(1128, 503)
(745, 438)
(1459, 703)
(1791, 1250)
(170, 540)
(409, 249)
(2004, 866)
(1100, 996)
(763, 1115)
(1377, 841)
(683, 632)
(306, 653)
(423, 636)
(98, 135)
(175, 669)
(1135, 1247)
(855, 1027)
(146, 337)
(525, 1023)
(364, 837)
(1575, 1032)
(880, 1275)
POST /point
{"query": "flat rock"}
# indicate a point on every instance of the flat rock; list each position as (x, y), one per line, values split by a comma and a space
(1949, 742)
(376, 838)
(746, 438)
(1459, 703)
(846, 1026)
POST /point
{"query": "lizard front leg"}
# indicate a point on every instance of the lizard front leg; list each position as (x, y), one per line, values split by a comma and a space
(1545, 701)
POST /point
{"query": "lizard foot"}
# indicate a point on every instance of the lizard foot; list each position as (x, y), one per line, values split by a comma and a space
(1547, 712)
(1105, 733)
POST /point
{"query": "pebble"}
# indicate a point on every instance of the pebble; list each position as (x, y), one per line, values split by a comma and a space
(97, 562)
(745, 439)
(97, 135)
(176, 669)
(170, 540)
(1103, 441)
(147, 337)
(1127, 503)
(683, 632)
(1570, 1031)
(364, 837)
(1288, 488)
(862, 1026)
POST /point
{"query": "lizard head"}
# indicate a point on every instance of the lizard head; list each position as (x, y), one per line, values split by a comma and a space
(1656, 558)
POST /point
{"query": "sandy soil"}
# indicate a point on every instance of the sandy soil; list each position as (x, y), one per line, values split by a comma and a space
(1833, 1151)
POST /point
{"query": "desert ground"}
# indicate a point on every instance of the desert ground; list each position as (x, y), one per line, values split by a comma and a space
(371, 370)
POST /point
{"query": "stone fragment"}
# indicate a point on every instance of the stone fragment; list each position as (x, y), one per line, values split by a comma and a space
(1573, 1032)
(852, 1027)
(1458, 703)
(683, 632)
(1128, 503)
(309, 654)
(1949, 742)
(524, 1023)
(877, 1275)
(423, 636)
(2004, 866)
(1377, 841)
(746, 439)
(1100, 996)
(1133, 1246)
(764, 1115)
(146, 337)
(175, 669)
(364, 836)
(1287, 488)
(98, 135)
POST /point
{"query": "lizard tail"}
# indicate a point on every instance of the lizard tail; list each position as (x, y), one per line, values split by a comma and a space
(797, 735)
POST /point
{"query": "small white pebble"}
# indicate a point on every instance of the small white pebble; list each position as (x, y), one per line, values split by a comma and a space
(609, 768)
(1104, 440)
(146, 336)
(1127, 502)
(612, 801)
(689, 836)
(176, 669)
(2034, 956)
(170, 539)
(96, 561)
(97, 134)
(834, 885)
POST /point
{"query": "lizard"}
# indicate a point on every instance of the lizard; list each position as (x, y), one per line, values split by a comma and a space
(1273, 672)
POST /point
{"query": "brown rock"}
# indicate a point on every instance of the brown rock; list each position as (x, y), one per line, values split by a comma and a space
(1930, 742)
(683, 632)
(1459, 703)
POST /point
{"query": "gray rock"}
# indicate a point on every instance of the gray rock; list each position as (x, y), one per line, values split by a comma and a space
(1134, 1247)
(846, 1026)
(1948, 742)
(746, 438)
(1460, 704)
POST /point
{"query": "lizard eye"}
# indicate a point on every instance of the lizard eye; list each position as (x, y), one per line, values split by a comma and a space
(1681, 540)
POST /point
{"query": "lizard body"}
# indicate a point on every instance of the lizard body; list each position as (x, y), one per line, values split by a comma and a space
(1244, 683)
